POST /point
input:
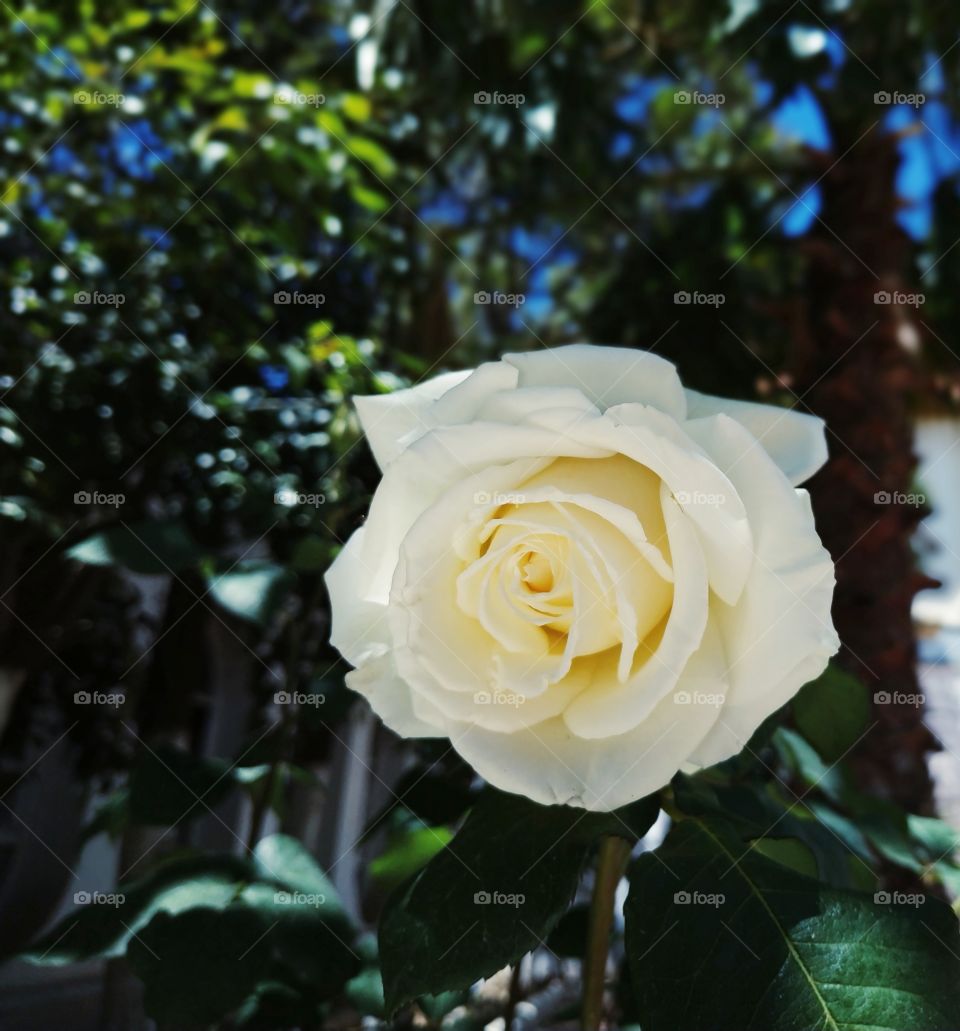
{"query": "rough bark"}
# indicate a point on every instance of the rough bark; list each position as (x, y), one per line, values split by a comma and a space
(856, 367)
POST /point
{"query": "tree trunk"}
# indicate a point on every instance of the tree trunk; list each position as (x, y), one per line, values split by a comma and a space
(857, 357)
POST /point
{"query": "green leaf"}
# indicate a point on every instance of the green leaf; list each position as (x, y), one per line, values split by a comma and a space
(719, 937)
(174, 886)
(285, 860)
(310, 935)
(141, 547)
(365, 992)
(493, 894)
(803, 759)
(831, 712)
(200, 965)
(841, 851)
(251, 592)
(790, 852)
(412, 849)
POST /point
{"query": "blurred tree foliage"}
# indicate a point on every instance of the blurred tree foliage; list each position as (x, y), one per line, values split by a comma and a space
(218, 222)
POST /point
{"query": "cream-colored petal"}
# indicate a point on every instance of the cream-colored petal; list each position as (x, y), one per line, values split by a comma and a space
(359, 624)
(612, 707)
(794, 440)
(390, 698)
(780, 634)
(551, 765)
(606, 375)
(390, 421)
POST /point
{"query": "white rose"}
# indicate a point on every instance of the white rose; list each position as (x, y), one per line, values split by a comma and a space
(582, 574)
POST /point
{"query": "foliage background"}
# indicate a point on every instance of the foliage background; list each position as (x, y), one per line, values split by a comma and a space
(176, 178)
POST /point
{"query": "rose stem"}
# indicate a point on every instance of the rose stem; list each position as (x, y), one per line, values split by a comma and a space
(614, 853)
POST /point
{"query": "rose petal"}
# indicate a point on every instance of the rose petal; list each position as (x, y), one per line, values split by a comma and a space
(606, 375)
(795, 441)
(390, 420)
(612, 707)
(389, 697)
(359, 624)
(780, 634)
(551, 765)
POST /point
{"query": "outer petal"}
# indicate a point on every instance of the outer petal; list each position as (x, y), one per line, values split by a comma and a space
(359, 624)
(551, 765)
(780, 634)
(606, 375)
(795, 441)
(388, 419)
(391, 699)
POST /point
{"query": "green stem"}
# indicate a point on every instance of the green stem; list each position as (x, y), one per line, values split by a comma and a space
(611, 864)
